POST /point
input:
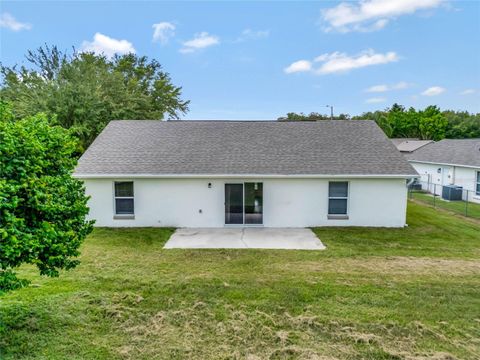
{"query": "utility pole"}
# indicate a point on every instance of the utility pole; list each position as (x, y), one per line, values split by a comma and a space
(331, 111)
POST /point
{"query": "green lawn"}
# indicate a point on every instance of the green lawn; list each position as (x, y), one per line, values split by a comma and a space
(460, 207)
(410, 293)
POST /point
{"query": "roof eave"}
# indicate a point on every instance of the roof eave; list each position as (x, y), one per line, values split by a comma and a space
(444, 163)
(236, 176)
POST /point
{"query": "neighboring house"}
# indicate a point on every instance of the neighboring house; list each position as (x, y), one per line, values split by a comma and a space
(450, 162)
(407, 146)
(245, 173)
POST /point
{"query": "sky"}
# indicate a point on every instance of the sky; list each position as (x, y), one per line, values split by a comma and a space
(260, 60)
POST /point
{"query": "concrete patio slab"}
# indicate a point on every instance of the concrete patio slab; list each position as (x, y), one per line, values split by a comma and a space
(244, 238)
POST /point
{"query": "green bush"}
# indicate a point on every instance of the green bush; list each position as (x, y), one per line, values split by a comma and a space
(42, 207)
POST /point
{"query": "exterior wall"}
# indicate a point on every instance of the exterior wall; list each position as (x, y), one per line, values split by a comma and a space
(286, 202)
(434, 174)
(466, 177)
(457, 175)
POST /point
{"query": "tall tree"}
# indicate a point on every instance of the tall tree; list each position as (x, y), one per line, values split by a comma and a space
(42, 207)
(85, 90)
(462, 124)
(429, 123)
(432, 124)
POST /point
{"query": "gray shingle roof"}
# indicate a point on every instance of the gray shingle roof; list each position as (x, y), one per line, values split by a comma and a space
(409, 145)
(243, 147)
(449, 151)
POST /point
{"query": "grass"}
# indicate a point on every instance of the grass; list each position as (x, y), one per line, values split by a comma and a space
(472, 209)
(410, 293)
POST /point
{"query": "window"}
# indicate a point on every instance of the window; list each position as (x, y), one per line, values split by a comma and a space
(124, 198)
(477, 188)
(337, 198)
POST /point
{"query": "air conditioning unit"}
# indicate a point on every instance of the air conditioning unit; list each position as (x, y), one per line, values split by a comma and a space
(416, 186)
(452, 192)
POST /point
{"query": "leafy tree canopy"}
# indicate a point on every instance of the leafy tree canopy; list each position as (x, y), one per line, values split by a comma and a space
(85, 91)
(397, 122)
(42, 208)
(462, 124)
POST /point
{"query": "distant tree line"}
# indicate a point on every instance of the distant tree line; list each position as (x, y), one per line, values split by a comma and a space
(397, 122)
(313, 116)
(84, 91)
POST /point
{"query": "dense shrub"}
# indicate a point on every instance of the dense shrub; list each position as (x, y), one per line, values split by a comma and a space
(42, 207)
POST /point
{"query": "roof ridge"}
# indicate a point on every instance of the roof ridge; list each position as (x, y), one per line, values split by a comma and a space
(244, 121)
(467, 139)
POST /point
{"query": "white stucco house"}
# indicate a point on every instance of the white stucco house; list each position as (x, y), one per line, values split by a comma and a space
(245, 173)
(449, 162)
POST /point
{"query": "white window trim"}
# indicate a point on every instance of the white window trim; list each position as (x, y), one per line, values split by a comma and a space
(123, 216)
(338, 216)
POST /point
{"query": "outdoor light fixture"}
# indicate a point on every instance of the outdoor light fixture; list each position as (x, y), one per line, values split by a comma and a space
(209, 185)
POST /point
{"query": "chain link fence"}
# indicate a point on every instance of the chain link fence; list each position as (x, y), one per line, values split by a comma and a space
(452, 198)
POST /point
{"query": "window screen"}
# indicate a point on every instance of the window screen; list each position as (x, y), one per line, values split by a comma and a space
(337, 198)
(124, 200)
(478, 183)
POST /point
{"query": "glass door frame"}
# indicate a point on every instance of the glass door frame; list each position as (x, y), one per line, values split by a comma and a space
(225, 203)
(243, 224)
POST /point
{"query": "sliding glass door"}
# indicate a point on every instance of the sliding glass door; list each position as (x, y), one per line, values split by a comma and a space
(233, 204)
(253, 203)
(244, 204)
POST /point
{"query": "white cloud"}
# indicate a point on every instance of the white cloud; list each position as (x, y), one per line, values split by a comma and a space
(249, 34)
(103, 44)
(375, 100)
(377, 88)
(468, 92)
(401, 85)
(433, 91)
(341, 62)
(377, 25)
(383, 88)
(298, 66)
(371, 15)
(9, 22)
(200, 41)
(163, 31)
